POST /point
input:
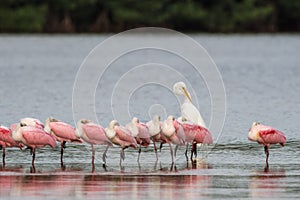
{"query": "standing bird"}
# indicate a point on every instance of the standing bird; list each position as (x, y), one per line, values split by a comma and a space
(188, 111)
(62, 132)
(174, 133)
(140, 132)
(121, 136)
(195, 134)
(93, 134)
(266, 136)
(154, 127)
(33, 138)
(6, 140)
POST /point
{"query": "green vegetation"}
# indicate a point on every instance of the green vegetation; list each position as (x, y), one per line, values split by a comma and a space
(118, 15)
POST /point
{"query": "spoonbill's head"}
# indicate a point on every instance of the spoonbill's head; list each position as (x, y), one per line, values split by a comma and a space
(28, 121)
(51, 119)
(113, 123)
(179, 88)
(85, 121)
(170, 118)
(255, 124)
(156, 118)
(135, 120)
(253, 132)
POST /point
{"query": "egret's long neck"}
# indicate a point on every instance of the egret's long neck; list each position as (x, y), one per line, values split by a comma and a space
(186, 100)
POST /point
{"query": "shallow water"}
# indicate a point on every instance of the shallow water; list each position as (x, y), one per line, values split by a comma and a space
(261, 77)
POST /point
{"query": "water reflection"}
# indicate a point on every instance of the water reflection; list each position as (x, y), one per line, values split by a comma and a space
(108, 186)
(268, 183)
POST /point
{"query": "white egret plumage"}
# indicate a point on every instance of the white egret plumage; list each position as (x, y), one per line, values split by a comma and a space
(189, 112)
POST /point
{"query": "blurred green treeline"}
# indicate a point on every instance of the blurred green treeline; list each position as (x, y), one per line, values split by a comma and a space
(118, 15)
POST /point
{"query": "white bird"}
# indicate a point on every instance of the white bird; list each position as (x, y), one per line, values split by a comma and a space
(188, 111)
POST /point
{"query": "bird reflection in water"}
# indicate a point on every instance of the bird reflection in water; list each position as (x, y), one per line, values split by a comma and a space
(267, 183)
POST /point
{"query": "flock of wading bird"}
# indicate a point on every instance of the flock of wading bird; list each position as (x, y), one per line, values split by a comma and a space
(189, 129)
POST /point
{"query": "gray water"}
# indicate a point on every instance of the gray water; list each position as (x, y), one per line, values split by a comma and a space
(261, 78)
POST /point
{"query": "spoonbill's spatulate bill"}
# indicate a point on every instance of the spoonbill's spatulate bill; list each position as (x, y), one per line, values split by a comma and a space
(266, 135)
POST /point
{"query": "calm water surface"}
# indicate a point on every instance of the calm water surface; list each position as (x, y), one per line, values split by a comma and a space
(261, 77)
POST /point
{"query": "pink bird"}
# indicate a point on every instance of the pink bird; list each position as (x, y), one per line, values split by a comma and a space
(195, 134)
(93, 134)
(173, 132)
(266, 136)
(28, 121)
(121, 136)
(140, 132)
(154, 127)
(33, 138)
(62, 132)
(6, 140)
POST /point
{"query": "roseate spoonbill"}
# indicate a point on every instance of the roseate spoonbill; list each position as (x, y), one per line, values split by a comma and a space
(33, 138)
(28, 121)
(188, 111)
(6, 140)
(140, 132)
(154, 127)
(93, 134)
(266, 136)
(62, 132)
(196, 134)
(121, 136)
(173, 132)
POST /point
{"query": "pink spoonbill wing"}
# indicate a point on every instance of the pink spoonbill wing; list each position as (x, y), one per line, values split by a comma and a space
(95, 133)
(36, 137)
(64, 130)
(272, 136)
(124, 135)
(199, 134)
